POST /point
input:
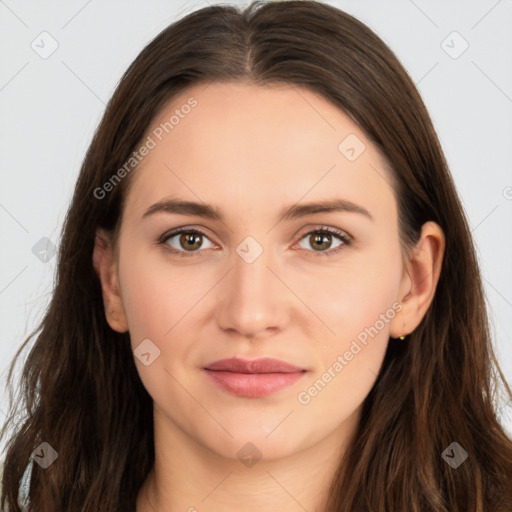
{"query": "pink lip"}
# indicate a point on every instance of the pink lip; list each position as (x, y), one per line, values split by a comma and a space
(263, 365)
(253, 379)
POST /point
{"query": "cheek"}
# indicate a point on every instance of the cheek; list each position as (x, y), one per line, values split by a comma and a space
(157, 295)
(357, 303)
(352, 295)
(164, 302)
(346, 368)
(157, 299)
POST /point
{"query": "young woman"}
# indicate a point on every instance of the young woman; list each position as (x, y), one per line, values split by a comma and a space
(267, 294)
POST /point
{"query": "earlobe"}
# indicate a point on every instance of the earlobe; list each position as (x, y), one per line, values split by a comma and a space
(106, 268)
(420, 279)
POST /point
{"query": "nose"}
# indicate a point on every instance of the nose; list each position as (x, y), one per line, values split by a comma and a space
(253, 301)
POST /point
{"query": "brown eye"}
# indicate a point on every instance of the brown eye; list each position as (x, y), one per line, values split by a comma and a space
(321, 241)
(185, 241)
(190, 241)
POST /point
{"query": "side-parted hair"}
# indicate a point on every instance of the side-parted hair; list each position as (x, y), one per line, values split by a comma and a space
(79, 389)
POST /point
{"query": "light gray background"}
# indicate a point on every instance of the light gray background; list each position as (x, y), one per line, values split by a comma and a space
(50, 108)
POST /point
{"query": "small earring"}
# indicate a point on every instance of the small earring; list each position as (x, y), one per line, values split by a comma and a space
(402, 337)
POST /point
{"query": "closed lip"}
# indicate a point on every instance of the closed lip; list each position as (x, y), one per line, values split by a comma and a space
(262, 365)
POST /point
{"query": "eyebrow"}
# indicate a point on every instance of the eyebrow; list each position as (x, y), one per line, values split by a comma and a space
(295, 211)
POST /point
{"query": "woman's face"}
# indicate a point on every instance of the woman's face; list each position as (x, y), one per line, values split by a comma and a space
(254, 281)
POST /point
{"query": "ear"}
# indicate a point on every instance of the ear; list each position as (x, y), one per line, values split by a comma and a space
(419, 280)
(106, 267)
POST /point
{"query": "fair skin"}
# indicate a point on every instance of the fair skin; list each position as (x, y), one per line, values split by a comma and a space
(251, 151)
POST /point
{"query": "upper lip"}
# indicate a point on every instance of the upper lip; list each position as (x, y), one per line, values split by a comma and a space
(263, 365)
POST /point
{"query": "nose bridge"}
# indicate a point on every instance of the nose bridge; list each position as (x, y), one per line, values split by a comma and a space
(250, 301)
(250, 279)
(250, 272)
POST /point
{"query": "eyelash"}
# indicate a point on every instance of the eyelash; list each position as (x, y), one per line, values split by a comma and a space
(347, 240)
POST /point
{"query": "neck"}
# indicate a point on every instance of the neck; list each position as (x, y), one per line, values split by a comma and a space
(188, 476)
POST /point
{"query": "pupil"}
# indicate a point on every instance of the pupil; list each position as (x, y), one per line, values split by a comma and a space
(189, 240)
(321, 238)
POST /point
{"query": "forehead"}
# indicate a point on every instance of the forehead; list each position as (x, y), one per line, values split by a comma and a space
(250, 146)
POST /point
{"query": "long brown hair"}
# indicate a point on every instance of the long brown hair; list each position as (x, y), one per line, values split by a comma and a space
(80, 390)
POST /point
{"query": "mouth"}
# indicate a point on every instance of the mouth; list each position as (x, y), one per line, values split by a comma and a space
(253, 379)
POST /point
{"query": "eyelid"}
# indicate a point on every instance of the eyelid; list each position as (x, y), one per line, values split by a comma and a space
(323, 228)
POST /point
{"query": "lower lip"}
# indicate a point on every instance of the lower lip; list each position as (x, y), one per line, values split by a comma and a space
(253, 385)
